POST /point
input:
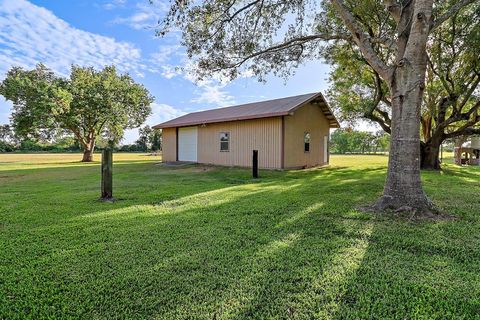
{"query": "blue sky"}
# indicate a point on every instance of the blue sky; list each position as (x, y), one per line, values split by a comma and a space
(100, 32)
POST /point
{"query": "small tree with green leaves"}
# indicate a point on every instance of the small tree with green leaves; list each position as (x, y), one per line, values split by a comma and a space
(144, 138)
(89, 104)
(7, 138)
(340, 141)
(156, 140)
(149, 139)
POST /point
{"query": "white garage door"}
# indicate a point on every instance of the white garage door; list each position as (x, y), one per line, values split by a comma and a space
(187, 144)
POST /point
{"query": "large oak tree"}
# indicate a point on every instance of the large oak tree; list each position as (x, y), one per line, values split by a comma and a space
(451, 100)
(230, 36)
(90, 103)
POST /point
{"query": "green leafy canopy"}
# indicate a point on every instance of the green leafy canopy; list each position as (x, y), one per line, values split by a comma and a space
(451, 100)
(90, 103)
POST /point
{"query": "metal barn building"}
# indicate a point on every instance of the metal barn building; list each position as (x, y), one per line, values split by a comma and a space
(289, 133)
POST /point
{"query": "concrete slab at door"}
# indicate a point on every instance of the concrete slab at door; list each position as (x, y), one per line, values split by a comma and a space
(187, 144)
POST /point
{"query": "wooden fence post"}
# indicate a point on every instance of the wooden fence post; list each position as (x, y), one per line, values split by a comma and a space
(255, 164)
(107, 178)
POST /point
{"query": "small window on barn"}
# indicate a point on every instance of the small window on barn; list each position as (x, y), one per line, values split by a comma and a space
(306, 142)
(224, 141)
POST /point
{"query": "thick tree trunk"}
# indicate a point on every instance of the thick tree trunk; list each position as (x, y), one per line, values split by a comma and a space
(88, 152)
(87, 155)
(430, 155)
(403, 188)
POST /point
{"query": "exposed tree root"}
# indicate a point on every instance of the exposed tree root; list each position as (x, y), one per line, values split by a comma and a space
(419, 210)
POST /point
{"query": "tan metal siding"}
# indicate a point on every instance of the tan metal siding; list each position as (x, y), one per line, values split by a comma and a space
(308, 118)
(263, 135)
(169, 147)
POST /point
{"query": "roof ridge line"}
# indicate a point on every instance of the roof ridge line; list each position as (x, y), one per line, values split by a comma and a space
(260, 101)
(253, 110)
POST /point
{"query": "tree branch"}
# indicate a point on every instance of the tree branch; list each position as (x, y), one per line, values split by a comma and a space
(287, 44)
(442, 112)
(394, 8)
(369, 114)
(473, 109)
(80, 138)
(450, 12)
(251, 4)
(442, 79)
(381, 122)
(463, 132)
(363, 41)
(470, 92)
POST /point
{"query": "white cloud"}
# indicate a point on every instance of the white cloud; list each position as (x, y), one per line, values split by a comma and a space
(162, 61)
(160, 113)
(169, 71)
(170, 60)
(109, 5)
(213, 93)
(208, 92)
(163, 112)
(5, 111)
(145, 16)
(30, 34)
(166, 52)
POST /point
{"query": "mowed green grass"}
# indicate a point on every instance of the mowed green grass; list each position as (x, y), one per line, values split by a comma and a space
(201, 242)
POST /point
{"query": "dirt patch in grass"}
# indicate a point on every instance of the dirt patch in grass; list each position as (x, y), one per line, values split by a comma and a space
(186, 167)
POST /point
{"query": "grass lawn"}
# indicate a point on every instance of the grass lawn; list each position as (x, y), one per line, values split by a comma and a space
(211, 243)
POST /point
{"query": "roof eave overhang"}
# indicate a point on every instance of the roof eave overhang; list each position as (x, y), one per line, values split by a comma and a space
(326, 109)
(196, 123)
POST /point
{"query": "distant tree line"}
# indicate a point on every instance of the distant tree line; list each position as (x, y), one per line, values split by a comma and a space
(352, 141)
(149, 140)
(63, 141)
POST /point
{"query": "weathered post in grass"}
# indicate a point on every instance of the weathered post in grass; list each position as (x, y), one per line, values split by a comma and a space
(107, 178)
(255, 164)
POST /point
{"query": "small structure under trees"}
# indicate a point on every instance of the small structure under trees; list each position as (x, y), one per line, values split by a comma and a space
(468, 155)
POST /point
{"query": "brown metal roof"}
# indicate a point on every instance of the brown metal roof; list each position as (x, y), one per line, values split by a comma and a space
(255, 110)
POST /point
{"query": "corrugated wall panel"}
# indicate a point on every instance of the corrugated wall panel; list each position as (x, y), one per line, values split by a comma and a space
(308, 118)
(169, 146)
(263, 135)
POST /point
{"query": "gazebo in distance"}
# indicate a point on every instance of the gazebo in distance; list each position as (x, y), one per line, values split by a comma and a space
(468, 155)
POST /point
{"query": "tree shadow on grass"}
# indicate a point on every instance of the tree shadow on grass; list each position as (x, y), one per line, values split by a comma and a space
(74, 190)
(416, 271)
(233, 259)
(221, 251)
(217, 244)
(422, 270)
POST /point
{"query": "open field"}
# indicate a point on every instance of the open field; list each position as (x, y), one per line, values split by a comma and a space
(41, 160)
(200, 242)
